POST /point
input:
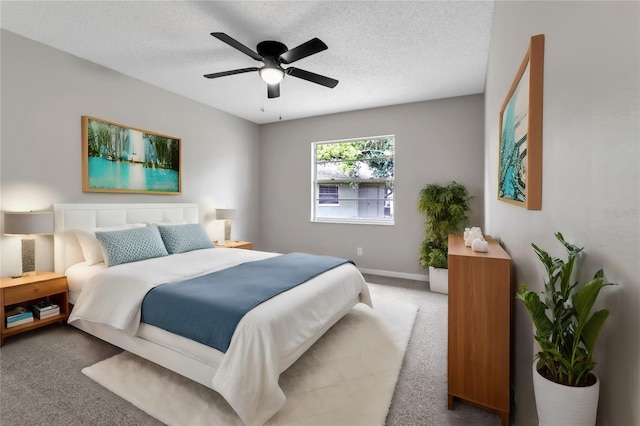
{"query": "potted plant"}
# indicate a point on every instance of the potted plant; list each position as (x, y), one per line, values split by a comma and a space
(565, 388)
(446, 209)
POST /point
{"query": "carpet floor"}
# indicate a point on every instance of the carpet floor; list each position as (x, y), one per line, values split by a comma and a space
(41, 380)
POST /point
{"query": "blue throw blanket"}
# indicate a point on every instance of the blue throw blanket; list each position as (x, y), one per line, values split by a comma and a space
(208, 308)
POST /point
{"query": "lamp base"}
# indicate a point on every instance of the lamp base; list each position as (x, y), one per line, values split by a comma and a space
(227, 229)
(28, 256)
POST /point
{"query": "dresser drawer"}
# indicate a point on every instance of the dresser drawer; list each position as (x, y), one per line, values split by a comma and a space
(34, 291)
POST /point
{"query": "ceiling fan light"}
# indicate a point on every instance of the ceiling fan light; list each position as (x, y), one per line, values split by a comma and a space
(271, 75)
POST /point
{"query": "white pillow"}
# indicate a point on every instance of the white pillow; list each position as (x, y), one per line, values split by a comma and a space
(90, 245)
(168, 223)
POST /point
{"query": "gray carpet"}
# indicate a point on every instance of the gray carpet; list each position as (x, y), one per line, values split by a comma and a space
(41, 382)
(420, 397)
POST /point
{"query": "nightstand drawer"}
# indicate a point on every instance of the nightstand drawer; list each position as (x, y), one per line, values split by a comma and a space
(34, 291)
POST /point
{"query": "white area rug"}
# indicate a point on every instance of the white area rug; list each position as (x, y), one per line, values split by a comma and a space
(347, 378)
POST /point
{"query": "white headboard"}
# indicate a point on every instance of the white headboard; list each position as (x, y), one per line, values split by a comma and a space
(87, 216)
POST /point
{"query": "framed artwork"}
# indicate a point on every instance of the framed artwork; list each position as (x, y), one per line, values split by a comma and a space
(118, 158)
(520, 153)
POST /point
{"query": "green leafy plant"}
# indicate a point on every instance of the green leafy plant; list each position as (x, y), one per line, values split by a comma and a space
(565, 329)
(446, 209)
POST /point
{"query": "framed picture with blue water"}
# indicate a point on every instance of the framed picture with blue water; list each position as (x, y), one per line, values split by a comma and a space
(520, 152)
(119, 158)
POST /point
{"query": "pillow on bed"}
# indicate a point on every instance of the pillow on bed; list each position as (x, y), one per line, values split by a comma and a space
(90, 245)
(168, 223)
(182, 238)
(131, 245)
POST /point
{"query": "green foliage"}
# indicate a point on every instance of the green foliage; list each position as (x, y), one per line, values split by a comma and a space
(565, 328)
(376, 153)
(113, 142)
(99, 138)
(446, 210)
(431, 254)
(166, 150)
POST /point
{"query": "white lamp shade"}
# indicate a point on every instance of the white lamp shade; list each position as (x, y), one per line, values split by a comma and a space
(271, 75)
(28, 223)
(225, 214)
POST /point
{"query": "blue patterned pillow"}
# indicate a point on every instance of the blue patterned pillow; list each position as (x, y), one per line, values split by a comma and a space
(181, 238)
(131, 245)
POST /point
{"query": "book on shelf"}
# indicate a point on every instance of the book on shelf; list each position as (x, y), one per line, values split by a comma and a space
(18, 314)
(18, 310)
(43, 306)
(48, 313)
(18, 317)
(19, 322)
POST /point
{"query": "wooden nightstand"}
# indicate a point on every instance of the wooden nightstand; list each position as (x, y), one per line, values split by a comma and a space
(236, 244)
(26, 291)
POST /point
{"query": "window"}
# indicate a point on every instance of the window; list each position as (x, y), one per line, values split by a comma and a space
(353, 180)
(328, 194)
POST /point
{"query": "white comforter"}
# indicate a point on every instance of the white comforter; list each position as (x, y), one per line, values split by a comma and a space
(267, 340)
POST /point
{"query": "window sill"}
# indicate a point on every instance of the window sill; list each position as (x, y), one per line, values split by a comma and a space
(354, 221)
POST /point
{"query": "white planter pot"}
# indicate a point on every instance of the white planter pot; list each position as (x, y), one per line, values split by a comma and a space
(439, 280)
(565, 405)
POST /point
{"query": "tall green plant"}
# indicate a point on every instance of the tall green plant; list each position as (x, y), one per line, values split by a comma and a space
(565, 328)
(446, 210)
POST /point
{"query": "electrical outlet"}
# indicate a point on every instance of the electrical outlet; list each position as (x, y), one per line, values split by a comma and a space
(359, 251)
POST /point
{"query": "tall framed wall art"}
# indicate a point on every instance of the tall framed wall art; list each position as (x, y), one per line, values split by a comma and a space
(520, 152)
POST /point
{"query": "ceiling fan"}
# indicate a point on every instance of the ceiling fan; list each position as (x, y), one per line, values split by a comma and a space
(273, 54)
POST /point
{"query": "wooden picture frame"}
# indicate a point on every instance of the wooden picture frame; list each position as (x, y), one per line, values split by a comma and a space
(123, 159)
(520, 149)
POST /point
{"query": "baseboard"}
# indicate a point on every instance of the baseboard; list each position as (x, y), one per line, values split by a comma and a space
(393, 274)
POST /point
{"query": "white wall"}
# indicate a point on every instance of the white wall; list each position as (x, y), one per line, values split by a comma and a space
(44, 94)
(436, 142)
(591, 178)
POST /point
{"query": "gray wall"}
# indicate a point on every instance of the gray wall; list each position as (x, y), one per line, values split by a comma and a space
(436, 142)
(44, 94)
(591, 180)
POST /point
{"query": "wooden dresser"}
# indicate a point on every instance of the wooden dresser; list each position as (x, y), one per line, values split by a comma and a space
(480, 303)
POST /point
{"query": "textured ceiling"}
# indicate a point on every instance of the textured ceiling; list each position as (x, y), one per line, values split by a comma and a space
(383, 53)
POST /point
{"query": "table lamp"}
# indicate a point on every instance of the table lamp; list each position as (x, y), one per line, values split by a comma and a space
(226, 215)
(28, 224)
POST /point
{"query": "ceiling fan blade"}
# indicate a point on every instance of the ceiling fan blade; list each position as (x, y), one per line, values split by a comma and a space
(312, 77)
(237, 45)
(273, 90)
(232, 72)
(309, 48)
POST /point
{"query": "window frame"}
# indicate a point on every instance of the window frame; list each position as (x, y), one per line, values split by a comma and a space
(315, 185)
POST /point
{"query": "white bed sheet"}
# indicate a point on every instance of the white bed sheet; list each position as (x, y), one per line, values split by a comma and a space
(267, 341)
(78, 275)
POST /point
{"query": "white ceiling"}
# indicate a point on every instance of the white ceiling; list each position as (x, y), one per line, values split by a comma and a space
(382, 52)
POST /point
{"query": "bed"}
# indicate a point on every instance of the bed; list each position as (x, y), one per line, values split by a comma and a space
(267, 340)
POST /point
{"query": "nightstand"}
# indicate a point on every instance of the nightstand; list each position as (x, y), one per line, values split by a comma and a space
(236, 244)
(26, 291)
